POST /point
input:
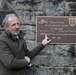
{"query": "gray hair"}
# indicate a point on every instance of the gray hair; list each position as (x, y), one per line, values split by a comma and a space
(5, 20)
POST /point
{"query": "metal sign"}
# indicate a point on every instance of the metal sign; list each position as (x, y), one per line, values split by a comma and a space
(60, 29)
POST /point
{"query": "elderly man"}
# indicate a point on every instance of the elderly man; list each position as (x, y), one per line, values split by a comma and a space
(14, 55)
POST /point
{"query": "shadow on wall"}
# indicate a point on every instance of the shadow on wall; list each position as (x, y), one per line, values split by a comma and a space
(2, 15)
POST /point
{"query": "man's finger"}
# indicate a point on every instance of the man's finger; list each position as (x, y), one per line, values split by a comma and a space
(45, 35)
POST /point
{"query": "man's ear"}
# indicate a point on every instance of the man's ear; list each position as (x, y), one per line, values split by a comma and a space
(6, 27)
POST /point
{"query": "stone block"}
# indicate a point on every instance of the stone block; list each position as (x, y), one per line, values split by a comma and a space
(50, 71)
(28, 17)
(41, 60)
(72, 13)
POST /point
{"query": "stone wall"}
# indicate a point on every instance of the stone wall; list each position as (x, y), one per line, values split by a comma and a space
(54, 59)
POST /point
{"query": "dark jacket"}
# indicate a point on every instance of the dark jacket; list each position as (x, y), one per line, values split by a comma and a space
(12, 53)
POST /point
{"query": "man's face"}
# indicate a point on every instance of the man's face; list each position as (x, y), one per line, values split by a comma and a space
(13, 25)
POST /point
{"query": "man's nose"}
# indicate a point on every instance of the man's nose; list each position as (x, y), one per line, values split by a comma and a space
(17, 26)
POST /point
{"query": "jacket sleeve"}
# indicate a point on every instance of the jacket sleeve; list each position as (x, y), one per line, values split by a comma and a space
(34, 51)
(8, 60)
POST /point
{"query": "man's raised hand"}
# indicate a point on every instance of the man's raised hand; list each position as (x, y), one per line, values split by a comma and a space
(46, 40)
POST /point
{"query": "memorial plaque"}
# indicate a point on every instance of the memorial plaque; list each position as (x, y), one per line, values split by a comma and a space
(60, 29)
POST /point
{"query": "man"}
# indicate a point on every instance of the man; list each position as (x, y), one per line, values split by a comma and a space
(14, 55)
